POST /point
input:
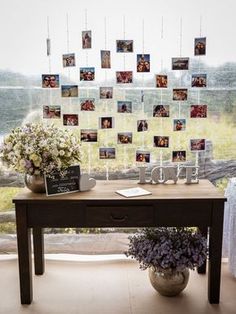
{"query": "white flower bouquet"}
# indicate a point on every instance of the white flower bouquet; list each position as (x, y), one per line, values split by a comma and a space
(35, 149)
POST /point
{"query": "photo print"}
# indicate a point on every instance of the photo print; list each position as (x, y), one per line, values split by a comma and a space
(161, 141)
(179, 124)
(200, 46)
(70, 119)
(51, 112)
(161, 81)
(143, 63)
(105, 59)
(69, 90)
(197, 145)
(180, 94)
(106, 122)
(198, 111)
(86, 39)
(124, 106)
(142, 125)
(124, 77)
(142, 156)
(68, 60)
(87, 104)
(87, 74)
(88, 135)
(124, 46)
(179, 156)
(106, 92)
(107, 153)
(161, 111)
(124, 138)
(199, 80)
(180, 63)
(50, 80)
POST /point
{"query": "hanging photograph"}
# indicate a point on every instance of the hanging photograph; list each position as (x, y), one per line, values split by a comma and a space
(200, 46)
(70, 119)
(197, 145)
(50, 80)
(180, 63)
(199, 80)
(106, 122)
(161, 111)
(87, 104)
(51, 112)
(161, 81)
(87, 74)
(142, 156)
(198, 111)
(179, 156)
(107, 153)
(88, 135)
(69, 90)
(124, 46)
(124, 106)
(179, 124)
(180, 94)
(68, 60)
(106, 92)
(86, 39)
(143, 63)
(161, 141)
(123, 77)
(105, 59)
(124, 138)
(142, 125)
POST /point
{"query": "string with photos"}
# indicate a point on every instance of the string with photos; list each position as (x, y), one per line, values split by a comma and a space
(49, 57)
(68, 39)
(86, 28)
(142, 103)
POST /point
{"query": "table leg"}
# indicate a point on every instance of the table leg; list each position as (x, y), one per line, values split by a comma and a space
(203, 230)
(215, 248)
(24, 254)
(38, 250)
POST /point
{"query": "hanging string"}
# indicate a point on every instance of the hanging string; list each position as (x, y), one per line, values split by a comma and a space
(105, 44)
(124, 38)
(86, 28)
(48, 46)
(68, 42)
(180, 38)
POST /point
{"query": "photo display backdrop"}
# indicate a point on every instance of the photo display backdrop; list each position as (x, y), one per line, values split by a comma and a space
(112, 123)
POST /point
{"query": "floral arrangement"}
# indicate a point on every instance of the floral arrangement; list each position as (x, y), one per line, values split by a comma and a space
(36, 149)
(168, 248)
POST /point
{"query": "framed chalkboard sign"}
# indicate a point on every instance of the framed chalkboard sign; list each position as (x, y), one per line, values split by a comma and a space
(62, 184)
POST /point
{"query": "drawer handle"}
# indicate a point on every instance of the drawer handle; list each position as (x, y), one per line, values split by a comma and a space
(120, 219)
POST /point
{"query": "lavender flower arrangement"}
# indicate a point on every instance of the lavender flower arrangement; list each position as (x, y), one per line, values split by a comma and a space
(168, 248)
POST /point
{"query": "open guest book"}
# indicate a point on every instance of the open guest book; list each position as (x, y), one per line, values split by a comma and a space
(133, 192)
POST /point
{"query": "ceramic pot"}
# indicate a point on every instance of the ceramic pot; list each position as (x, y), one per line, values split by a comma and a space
(35, 183)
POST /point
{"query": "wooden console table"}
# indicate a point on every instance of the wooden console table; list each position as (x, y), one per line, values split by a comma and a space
(178, 204)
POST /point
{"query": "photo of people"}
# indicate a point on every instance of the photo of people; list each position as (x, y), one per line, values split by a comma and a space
(161, 81)
(87, 104)
(180, 63)
(51, 112)
(142, 125)
(124, 106)
(124, 138)
(124, 77)
(106, 122)
(200, 46)
(198, 111)
(50, 80)
(88, 135)
(87, 74)
(199, 80)
(180, 94)
(161, 111)
(86, 39)
(178, 156)
(179, 124)
(107, 153)
(68, 60)
(106, 92)
(105, 59)
(197, 145)
(143, 63)
(161, 141)
(142, 156)
(69, 90)
(124, 46)
(70, 119)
